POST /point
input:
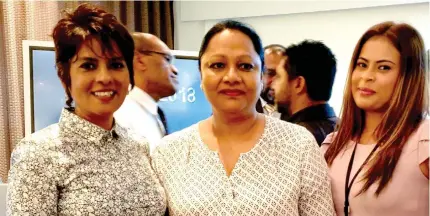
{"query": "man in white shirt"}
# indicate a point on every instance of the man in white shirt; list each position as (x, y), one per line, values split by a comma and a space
(272, 57)
(155, 77)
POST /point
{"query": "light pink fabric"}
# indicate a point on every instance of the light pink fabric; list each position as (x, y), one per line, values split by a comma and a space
(406, 195)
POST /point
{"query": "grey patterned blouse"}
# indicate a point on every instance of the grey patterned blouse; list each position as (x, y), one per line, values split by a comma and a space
(77, 168)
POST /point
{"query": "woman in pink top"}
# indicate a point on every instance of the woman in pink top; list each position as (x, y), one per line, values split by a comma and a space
(382, 144)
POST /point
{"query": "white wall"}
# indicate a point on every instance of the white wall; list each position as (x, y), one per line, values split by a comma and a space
(338, 29)
(209, 10)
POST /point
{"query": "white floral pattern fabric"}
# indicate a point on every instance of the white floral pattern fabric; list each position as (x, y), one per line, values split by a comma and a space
(77, 168)
(284, 174)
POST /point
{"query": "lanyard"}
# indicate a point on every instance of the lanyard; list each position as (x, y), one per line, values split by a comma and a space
(346, 208)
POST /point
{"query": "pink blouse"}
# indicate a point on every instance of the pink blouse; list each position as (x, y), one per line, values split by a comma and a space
(407, 194)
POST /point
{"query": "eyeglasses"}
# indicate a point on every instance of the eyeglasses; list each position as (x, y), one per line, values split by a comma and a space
(169, 58)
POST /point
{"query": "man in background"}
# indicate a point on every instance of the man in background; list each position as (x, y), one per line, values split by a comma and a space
(303, 86)
(155, 77)
(272, 56)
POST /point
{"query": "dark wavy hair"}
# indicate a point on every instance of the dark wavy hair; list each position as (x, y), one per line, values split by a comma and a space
(89, 22)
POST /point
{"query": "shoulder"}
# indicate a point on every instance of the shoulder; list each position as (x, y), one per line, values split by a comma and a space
(286, 127)
(177, 143)
(132, 138)
(327, 141)
(422, 131)
(180, 139)
(329, 138)
(279, 124)
(41, 139)
(419, 138)
(419, 141)
(289, 135)
(38, 145)
(319, 126)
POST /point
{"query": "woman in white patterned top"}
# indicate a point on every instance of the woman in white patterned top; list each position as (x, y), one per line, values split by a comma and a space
(86, 164)
(239, 162)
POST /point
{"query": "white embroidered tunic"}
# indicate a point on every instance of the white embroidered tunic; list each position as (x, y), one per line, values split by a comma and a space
(284, 174)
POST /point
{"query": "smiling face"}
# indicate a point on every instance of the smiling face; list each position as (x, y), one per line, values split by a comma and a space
(99, 81)
(231, 72)
(375, 74)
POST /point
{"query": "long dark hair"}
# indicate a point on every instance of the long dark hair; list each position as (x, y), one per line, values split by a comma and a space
(407, 108)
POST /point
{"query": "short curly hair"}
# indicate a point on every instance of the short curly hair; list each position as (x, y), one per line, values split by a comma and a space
(89, 22)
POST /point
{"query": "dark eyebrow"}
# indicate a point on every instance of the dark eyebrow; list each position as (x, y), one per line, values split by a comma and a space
(384, 60)
(362, 59)
(116, 59)
(380, 61)
(217, 56)
(90, 59)
(245, 56)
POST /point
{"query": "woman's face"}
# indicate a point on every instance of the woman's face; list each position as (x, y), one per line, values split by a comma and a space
(231, 72)
(375, 75)
(99, 81)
